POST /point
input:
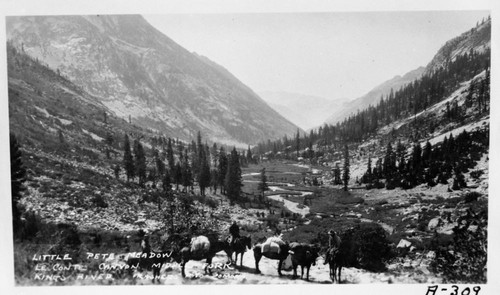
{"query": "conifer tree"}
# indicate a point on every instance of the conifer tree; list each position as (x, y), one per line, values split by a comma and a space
(204, 173)
(109, 143)
(128, 160)
(187, 176)
(262, 187)
(17, 178)
(389, 161)
(368, 174)
(214, 179)
(233, 177)
(427, 154)
(170, 155)
(400, 155)
(178, 175)
(222, 170)
(140, 162)
(166, 182)
(346, 174)
(337, 179)
(249, 156)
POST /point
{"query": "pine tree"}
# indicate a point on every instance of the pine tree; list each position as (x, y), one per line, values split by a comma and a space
(368, 174)
(214, 179)
(170, 155)
(17, 179)
(215, 155)
(166, 182)
(400, 155)
(187, 176)
(262, 187)
(204, 174)
(178, 175)
(389, 161)
(233, 181)
(249, 156)
(346, 174)
(222, 170)
(140, 162)
(128, 160)
(337, 175)
(427, 154)
(109, 143)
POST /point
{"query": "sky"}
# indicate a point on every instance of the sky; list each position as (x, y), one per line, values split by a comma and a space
(331, 55)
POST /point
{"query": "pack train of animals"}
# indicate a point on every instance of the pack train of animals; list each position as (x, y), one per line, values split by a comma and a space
(181, 250)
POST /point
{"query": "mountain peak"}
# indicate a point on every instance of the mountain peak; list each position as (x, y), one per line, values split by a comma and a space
(140, 73)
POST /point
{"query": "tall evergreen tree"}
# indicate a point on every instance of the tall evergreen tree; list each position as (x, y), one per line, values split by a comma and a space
(17, 179)
(249, 156)
(368, 174)
(427, 154)
(222, 169)
(262, 186)
(214, 179)
(346, 173)
(233, 181)
(204, 173)
(109, 143)
(389, 161)
(178, 175)
(128, 160)
(170, 155)
(140, 162)
(337, 179)
(400, 155)
(187, 176)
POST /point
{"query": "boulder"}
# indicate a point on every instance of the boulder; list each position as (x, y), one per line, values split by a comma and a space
(434, 223)
(403, 244)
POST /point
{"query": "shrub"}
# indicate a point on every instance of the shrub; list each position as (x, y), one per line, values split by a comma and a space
(365, 246)
(471, 196)
(476, 174)
(99, 202)
(464, 259)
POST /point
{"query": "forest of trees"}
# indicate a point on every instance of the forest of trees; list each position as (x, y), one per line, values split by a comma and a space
(194, 163)
(403, 103)
(430, 165)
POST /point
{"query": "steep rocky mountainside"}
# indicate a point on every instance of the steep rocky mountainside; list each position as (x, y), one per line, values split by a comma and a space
(477, 39)
(372, 97)
(306, 111)
(140, 74)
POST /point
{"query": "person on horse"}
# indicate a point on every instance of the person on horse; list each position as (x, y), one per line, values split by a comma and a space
(334, 242)
(234, 230)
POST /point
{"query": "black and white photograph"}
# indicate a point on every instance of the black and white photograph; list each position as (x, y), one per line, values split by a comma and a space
(312, 147)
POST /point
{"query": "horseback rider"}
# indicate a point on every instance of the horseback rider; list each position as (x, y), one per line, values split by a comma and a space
(334, 242)
(234, 230)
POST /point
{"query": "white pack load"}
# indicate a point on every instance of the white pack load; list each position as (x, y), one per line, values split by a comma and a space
(272, 245)
(200, 244)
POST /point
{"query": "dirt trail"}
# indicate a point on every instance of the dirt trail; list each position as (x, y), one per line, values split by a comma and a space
(319, 274)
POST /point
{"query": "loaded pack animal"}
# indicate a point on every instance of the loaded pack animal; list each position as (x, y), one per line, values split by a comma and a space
(239, 246)
(201, 248)
(304, 255)
(272, 248)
